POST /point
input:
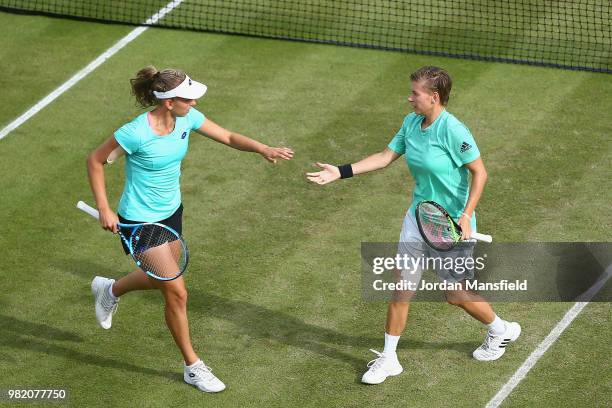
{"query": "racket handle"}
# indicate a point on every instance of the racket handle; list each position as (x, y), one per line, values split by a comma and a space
(482, 237)
(88, 209)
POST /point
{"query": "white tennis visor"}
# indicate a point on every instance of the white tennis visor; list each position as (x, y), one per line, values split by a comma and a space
(188, 89)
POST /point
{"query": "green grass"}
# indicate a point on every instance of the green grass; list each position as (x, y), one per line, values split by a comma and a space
(573, 361)
(39, 54)
(275, 305)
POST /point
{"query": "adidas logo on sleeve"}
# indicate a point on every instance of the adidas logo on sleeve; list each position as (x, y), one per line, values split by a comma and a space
(465, 146)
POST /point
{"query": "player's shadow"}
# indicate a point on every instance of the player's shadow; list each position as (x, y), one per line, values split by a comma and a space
(85, 268)
(13, 325)
(42, 338)
(262, 323)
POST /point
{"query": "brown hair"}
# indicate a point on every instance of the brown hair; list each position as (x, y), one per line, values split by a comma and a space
(149, 79)
(436, 80)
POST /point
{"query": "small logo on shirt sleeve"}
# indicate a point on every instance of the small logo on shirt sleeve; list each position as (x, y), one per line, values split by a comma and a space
(184, 135)
(465, 146)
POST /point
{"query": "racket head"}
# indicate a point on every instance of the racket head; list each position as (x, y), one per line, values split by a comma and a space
(157, 249)
(436, 226)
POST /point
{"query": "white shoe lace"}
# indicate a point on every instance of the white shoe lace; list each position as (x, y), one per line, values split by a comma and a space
(203, 372)
(488, 341)
(377, 362)
(108, 303)
(489, 345)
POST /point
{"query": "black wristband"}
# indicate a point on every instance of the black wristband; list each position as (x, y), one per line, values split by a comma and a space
(346, 171)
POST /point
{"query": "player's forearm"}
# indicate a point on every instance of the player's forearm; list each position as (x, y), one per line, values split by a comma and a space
(241, 142)
(95, 172)
(479, 179)
(374, 162)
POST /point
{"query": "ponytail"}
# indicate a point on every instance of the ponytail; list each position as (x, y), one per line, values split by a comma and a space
(149, 79)
(142, 86)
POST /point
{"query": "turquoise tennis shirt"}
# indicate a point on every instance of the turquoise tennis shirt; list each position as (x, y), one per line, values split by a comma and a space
(152, 189)
(436, 157)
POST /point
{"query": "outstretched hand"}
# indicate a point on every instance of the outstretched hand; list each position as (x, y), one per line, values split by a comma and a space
(328, 174)
(271, 154)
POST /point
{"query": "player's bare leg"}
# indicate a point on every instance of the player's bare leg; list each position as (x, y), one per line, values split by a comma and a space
(397, 316)
(195, 371)
(136, 280)
(500, 333)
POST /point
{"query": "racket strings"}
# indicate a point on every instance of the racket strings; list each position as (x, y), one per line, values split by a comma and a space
(437, 228)
(159, 251)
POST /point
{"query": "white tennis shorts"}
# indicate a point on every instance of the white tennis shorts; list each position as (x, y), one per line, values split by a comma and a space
(450, 266)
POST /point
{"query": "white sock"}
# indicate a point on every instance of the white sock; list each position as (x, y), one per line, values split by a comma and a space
(194, 364)
(498, 326)
(390, 343)
(110, 291)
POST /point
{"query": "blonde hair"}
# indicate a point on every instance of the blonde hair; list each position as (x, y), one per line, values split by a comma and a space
(149, 79)
(435, 80)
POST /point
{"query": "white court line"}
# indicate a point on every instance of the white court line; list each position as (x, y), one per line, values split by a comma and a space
(549, 340)
(88, 69)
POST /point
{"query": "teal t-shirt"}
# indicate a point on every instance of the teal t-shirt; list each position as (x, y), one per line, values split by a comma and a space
(436, 157)
(153, 167)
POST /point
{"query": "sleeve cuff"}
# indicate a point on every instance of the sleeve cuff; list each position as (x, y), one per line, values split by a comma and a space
(123, 146)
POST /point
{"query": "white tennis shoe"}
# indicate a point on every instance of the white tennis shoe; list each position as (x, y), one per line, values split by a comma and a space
(495, 346)
(202, 377)
(381, 368)
(106, 306)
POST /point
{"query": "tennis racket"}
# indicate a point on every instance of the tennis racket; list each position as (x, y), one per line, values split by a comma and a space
(438, 228)
(156, 248)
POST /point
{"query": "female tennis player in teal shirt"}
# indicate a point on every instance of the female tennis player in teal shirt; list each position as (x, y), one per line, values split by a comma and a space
(441, 154)
(155, 143)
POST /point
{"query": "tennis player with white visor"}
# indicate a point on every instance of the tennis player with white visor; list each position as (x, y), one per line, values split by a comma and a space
(441, 155)
(188, 89)
(154, 144)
